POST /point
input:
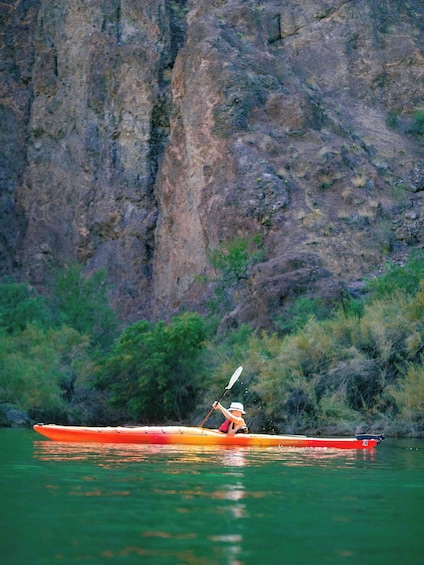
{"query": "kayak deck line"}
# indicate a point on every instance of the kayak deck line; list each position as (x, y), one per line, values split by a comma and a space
(186, 435)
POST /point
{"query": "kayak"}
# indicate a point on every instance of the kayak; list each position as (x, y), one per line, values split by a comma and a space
(185, 435)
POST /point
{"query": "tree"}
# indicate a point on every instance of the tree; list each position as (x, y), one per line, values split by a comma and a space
(39, 368)
(19, 306)
(82, 303)
(152, 370)
(231, 262)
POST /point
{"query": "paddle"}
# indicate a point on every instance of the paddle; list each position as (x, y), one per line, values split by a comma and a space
(233, 379)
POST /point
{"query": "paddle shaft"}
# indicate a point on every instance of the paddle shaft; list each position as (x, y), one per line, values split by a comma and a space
(233, 379)
(212, 409)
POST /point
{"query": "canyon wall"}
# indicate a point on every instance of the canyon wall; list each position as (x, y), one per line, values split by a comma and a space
(139, 136)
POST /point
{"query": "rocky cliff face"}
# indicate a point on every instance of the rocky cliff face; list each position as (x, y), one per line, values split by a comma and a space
(138, 136)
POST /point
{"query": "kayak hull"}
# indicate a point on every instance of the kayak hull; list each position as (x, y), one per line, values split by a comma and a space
(184, 435)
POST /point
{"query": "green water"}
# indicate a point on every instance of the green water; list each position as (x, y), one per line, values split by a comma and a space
(70, 503)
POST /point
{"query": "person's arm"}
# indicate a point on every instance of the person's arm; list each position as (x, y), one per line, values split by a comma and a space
(228, 415)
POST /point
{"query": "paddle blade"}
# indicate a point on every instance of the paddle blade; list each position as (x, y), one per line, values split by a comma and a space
(234, 378)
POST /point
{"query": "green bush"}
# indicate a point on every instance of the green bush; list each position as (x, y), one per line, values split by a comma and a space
(20, 306)
(359, 367)
(153, 369)
(82, 303)
(302, 309)
(392, 119)
(44, 362)
(341, 368)
(232, 261)
(409, 398)
(74, 301)
(417, 127)
(39, 368)
(406, 278)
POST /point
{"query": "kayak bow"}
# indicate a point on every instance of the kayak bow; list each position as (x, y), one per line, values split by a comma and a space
(185, 435)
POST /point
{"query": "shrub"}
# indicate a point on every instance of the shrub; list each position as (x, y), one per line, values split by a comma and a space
(334, 413)
(358, 381)
(231, 262)
(406, 278)
(82, 303)
(417, 127)
(19, 306)
(341, 366)
(39, 368)
(75, 301)
(392, 119)
(409, 397)
(302, 309)
(153, 369)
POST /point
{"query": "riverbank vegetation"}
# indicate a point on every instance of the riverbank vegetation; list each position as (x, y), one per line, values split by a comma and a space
(357, 367)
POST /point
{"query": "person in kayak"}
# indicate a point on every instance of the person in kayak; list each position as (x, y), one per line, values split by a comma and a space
(234, 423)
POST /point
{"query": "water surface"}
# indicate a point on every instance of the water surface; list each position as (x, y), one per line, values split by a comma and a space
(168, 505)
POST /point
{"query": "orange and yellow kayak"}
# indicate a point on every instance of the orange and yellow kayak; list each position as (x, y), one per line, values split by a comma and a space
(185, 435)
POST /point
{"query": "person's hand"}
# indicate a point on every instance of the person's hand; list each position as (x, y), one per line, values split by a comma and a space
(215, 405)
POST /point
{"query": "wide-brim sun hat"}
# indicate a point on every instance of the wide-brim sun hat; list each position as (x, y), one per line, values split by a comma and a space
(237, 406)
